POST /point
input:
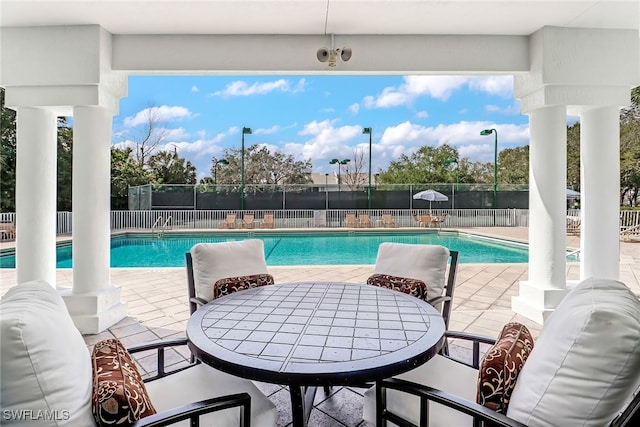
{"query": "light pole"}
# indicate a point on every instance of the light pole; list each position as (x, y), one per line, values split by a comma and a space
(453, 199)
(326, 190)
(217, 162)
(339, 162)
(245, 131)
(369, 131)
(495, 163)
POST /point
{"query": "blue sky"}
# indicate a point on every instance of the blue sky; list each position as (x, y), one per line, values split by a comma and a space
(320, 117)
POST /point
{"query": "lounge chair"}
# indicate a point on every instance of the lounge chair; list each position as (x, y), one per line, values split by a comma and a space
(439, 220)
(387, 221)
(7, 231)
(217, 269)
(573, 225)
(267, 221)
(350, 220)
(229, 222)
(47, 369)
(558, 380)
(247, 221)
(425, 220)
(364, 221)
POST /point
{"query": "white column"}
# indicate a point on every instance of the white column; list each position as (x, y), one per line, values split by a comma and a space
(93, 303)
(600, 193)
(91, 199)
(36, 195)
(547, 203)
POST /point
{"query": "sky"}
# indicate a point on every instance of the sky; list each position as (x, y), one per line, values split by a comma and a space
(321, 117)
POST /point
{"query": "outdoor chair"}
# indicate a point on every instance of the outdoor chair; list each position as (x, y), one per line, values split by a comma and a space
(584, 369)
(247, 221)
(438, 221)
(7, 231)
(573, 225)
(425, 221)
(229, 221)
(418, 270)
(49, 376)
(267, 221)
(388, 221)
(217, 269)
(364, 221)
(350, 220)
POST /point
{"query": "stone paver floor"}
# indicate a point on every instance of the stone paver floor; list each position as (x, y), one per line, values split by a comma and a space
(158, 309)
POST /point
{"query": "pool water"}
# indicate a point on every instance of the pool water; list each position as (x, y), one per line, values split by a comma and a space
(294, 249)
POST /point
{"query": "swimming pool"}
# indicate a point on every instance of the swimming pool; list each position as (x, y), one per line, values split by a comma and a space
(308, 248)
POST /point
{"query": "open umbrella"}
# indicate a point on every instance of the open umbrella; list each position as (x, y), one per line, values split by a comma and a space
(431, 196)
(572, 194)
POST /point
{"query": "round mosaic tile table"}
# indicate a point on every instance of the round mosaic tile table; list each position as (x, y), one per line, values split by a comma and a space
(315, 334)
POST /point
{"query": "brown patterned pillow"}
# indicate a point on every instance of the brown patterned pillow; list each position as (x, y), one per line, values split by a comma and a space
(119, 394)
(233, 284)
(501, 366)
(414, 287)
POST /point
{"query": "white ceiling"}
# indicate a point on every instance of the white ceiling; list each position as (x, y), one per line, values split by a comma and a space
(316, 17)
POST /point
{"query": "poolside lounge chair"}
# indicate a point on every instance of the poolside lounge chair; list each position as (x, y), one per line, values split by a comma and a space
(7, 231)
(438, 220)
(558, 378)
(425, 220)
(418, 270)
(364, 221)
(267, 221)
(247, 221)
(217, 269)
(229, 221)
(350, 220)
(388, 221)
(573, 225)
(48, 369)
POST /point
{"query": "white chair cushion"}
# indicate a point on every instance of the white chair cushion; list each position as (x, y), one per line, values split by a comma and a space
(215, 261)
(204, 382)
(423, 262)
(45, 363)
(439, 372)
(586, 361)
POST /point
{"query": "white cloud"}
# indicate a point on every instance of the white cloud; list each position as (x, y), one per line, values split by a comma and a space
(194, 88)
(272, 129)
(160, 114)
(354, 108)
(242, 88)
(509, 110)
(422, 115)
(437, 87)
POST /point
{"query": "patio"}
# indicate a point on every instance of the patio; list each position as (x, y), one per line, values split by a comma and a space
(482, 304)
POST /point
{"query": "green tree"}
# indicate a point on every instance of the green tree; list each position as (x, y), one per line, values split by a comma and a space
(427, 165)
(573, 156)
(125, 172)
(630, 155)
(65, 163)
(513, 165)
(262, 166)
(170, 168)
(7, 157)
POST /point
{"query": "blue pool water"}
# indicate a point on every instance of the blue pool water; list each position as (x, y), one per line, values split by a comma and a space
(339, 248)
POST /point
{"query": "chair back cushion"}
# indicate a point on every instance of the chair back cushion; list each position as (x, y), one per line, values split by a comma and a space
(586, 362)
(427, 263)
(501, 366)
(413, 287)
(229, 285)
(119, 395)
(45, 364)
(215, 261)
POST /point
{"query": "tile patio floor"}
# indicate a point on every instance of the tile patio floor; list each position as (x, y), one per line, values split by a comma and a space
(157, 307)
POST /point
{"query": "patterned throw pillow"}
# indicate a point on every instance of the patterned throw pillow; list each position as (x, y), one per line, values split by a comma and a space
(501, 366)
(119, 394)
(233, 284)
(414, 287)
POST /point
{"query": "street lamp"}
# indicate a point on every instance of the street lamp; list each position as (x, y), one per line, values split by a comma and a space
(217, 162)
(369, 131)
(453, 193)
(495, 163)
(245, 131)
(339, 162)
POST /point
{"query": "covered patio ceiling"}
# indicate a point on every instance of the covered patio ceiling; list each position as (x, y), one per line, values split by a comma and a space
(317, 17)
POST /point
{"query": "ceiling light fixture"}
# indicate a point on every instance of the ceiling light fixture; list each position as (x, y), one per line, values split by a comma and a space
(331, 55)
